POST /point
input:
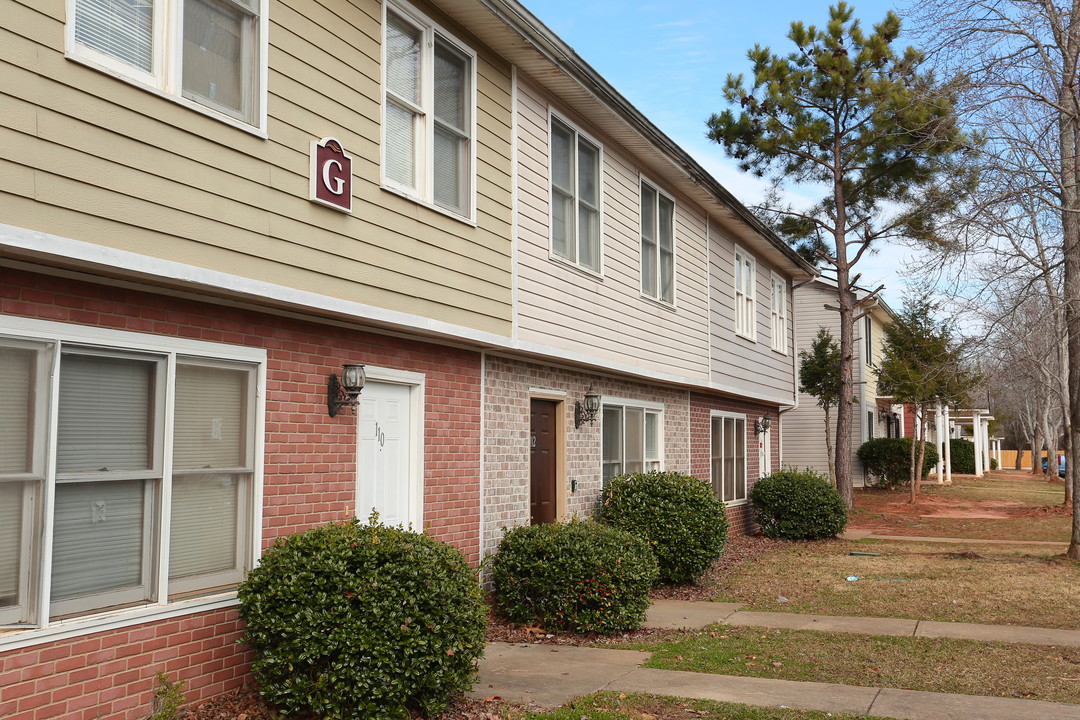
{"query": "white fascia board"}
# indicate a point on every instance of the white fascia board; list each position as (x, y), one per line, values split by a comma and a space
(91, 256)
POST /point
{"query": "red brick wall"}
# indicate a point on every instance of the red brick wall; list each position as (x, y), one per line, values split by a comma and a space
(701, 407)
(309, 479)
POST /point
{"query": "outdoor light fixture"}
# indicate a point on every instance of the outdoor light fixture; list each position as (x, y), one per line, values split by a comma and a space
(585, 411)
(762, 425)
(345, 392)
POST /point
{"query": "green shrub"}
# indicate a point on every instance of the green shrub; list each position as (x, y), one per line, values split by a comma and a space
(798, 505)
(678, 515)
(888, 460)
(962, 456)
(993, 464)
(353, 621)
(580, 576)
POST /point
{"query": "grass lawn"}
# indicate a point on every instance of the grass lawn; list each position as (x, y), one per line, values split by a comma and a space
(995, 507)
(1018, 585)
(928, 664)
(620, 706)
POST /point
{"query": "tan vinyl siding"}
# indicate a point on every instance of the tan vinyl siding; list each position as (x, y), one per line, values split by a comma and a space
(738, 361)
(91, 157)
(804, 427)
(605, 317)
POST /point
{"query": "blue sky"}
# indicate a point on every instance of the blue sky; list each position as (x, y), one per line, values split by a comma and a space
(670, 61)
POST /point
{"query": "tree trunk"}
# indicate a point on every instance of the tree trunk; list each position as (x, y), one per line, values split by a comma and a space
(1036, 452)
(1069, 133)
(829, 445)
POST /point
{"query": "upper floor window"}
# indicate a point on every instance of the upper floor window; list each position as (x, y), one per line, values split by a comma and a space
(778, 314)
(657, 244)
(631, 439)
(428, 121)
(869, 327)
(151, 469)
(745, 283)
(215, 63)
(575, 196)
(728, 454)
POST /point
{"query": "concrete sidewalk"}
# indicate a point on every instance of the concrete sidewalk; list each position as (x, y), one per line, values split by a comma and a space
(546, 676)
(873, 535)
(552, 675)
(679, 614)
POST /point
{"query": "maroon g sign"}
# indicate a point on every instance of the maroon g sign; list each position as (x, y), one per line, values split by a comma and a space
(331, 175)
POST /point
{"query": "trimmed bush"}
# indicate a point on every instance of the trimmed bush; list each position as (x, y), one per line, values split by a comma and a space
(993, 464)
(888, 460)
(356, 621)
(678, 515)
(962, 456)
(580, 576)
(798, 505)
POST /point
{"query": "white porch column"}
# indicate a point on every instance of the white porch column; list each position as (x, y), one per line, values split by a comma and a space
(947, 451)
(977, 437)
(938, 432)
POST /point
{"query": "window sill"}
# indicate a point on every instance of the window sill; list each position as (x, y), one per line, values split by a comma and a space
(258, 131)
(778, 351)
(669, 306)
(736, 503)
(744, 336)
(586, 272)
(15, 637)
(470, 221)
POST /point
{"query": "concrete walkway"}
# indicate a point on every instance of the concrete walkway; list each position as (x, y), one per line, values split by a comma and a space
(552, 675)
(872, 535)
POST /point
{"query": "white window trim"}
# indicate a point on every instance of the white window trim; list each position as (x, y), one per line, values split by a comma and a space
(748, 299)
(779, 339)
(552, 255)
(165, 80)
(643, 180)
(868, 341)
(424, 192)
(46, 629)
(747, 429)
(646, 406)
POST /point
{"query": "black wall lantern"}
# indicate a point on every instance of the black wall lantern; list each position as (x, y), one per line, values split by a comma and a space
(585, 410)
(345, 392)
(762, 425)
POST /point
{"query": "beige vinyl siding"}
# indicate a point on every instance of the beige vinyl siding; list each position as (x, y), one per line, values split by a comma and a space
(605, 317)
(91, 157)
(751, 365)
(804, 427)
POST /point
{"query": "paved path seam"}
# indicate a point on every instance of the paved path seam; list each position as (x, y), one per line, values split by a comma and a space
(685, 614)
(862, 534)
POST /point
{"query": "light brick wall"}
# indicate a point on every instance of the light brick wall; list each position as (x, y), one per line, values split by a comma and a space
(506, 437)
(309, 479)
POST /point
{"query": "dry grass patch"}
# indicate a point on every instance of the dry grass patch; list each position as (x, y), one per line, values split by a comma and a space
(989, 508)
(925, 581)
(928, 664)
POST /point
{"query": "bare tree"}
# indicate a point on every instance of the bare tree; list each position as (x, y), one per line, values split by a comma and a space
(1021, 58)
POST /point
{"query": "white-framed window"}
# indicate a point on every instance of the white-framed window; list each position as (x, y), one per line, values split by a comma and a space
(207, 54)
(632, 435)
(778, 314)
(129, 470)
(728, 455)
(429, 112)
(869, 340)
(869, 424)
(657, 244)
(745, 302)
(576, 215)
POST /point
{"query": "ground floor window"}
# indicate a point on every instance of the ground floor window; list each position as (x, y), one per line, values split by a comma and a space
(127, 469)
(632, 437)
(728, 441)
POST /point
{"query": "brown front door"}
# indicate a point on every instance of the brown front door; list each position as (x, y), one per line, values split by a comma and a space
(542, 461)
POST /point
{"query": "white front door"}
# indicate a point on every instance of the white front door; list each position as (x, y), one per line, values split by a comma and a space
(386, 477)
